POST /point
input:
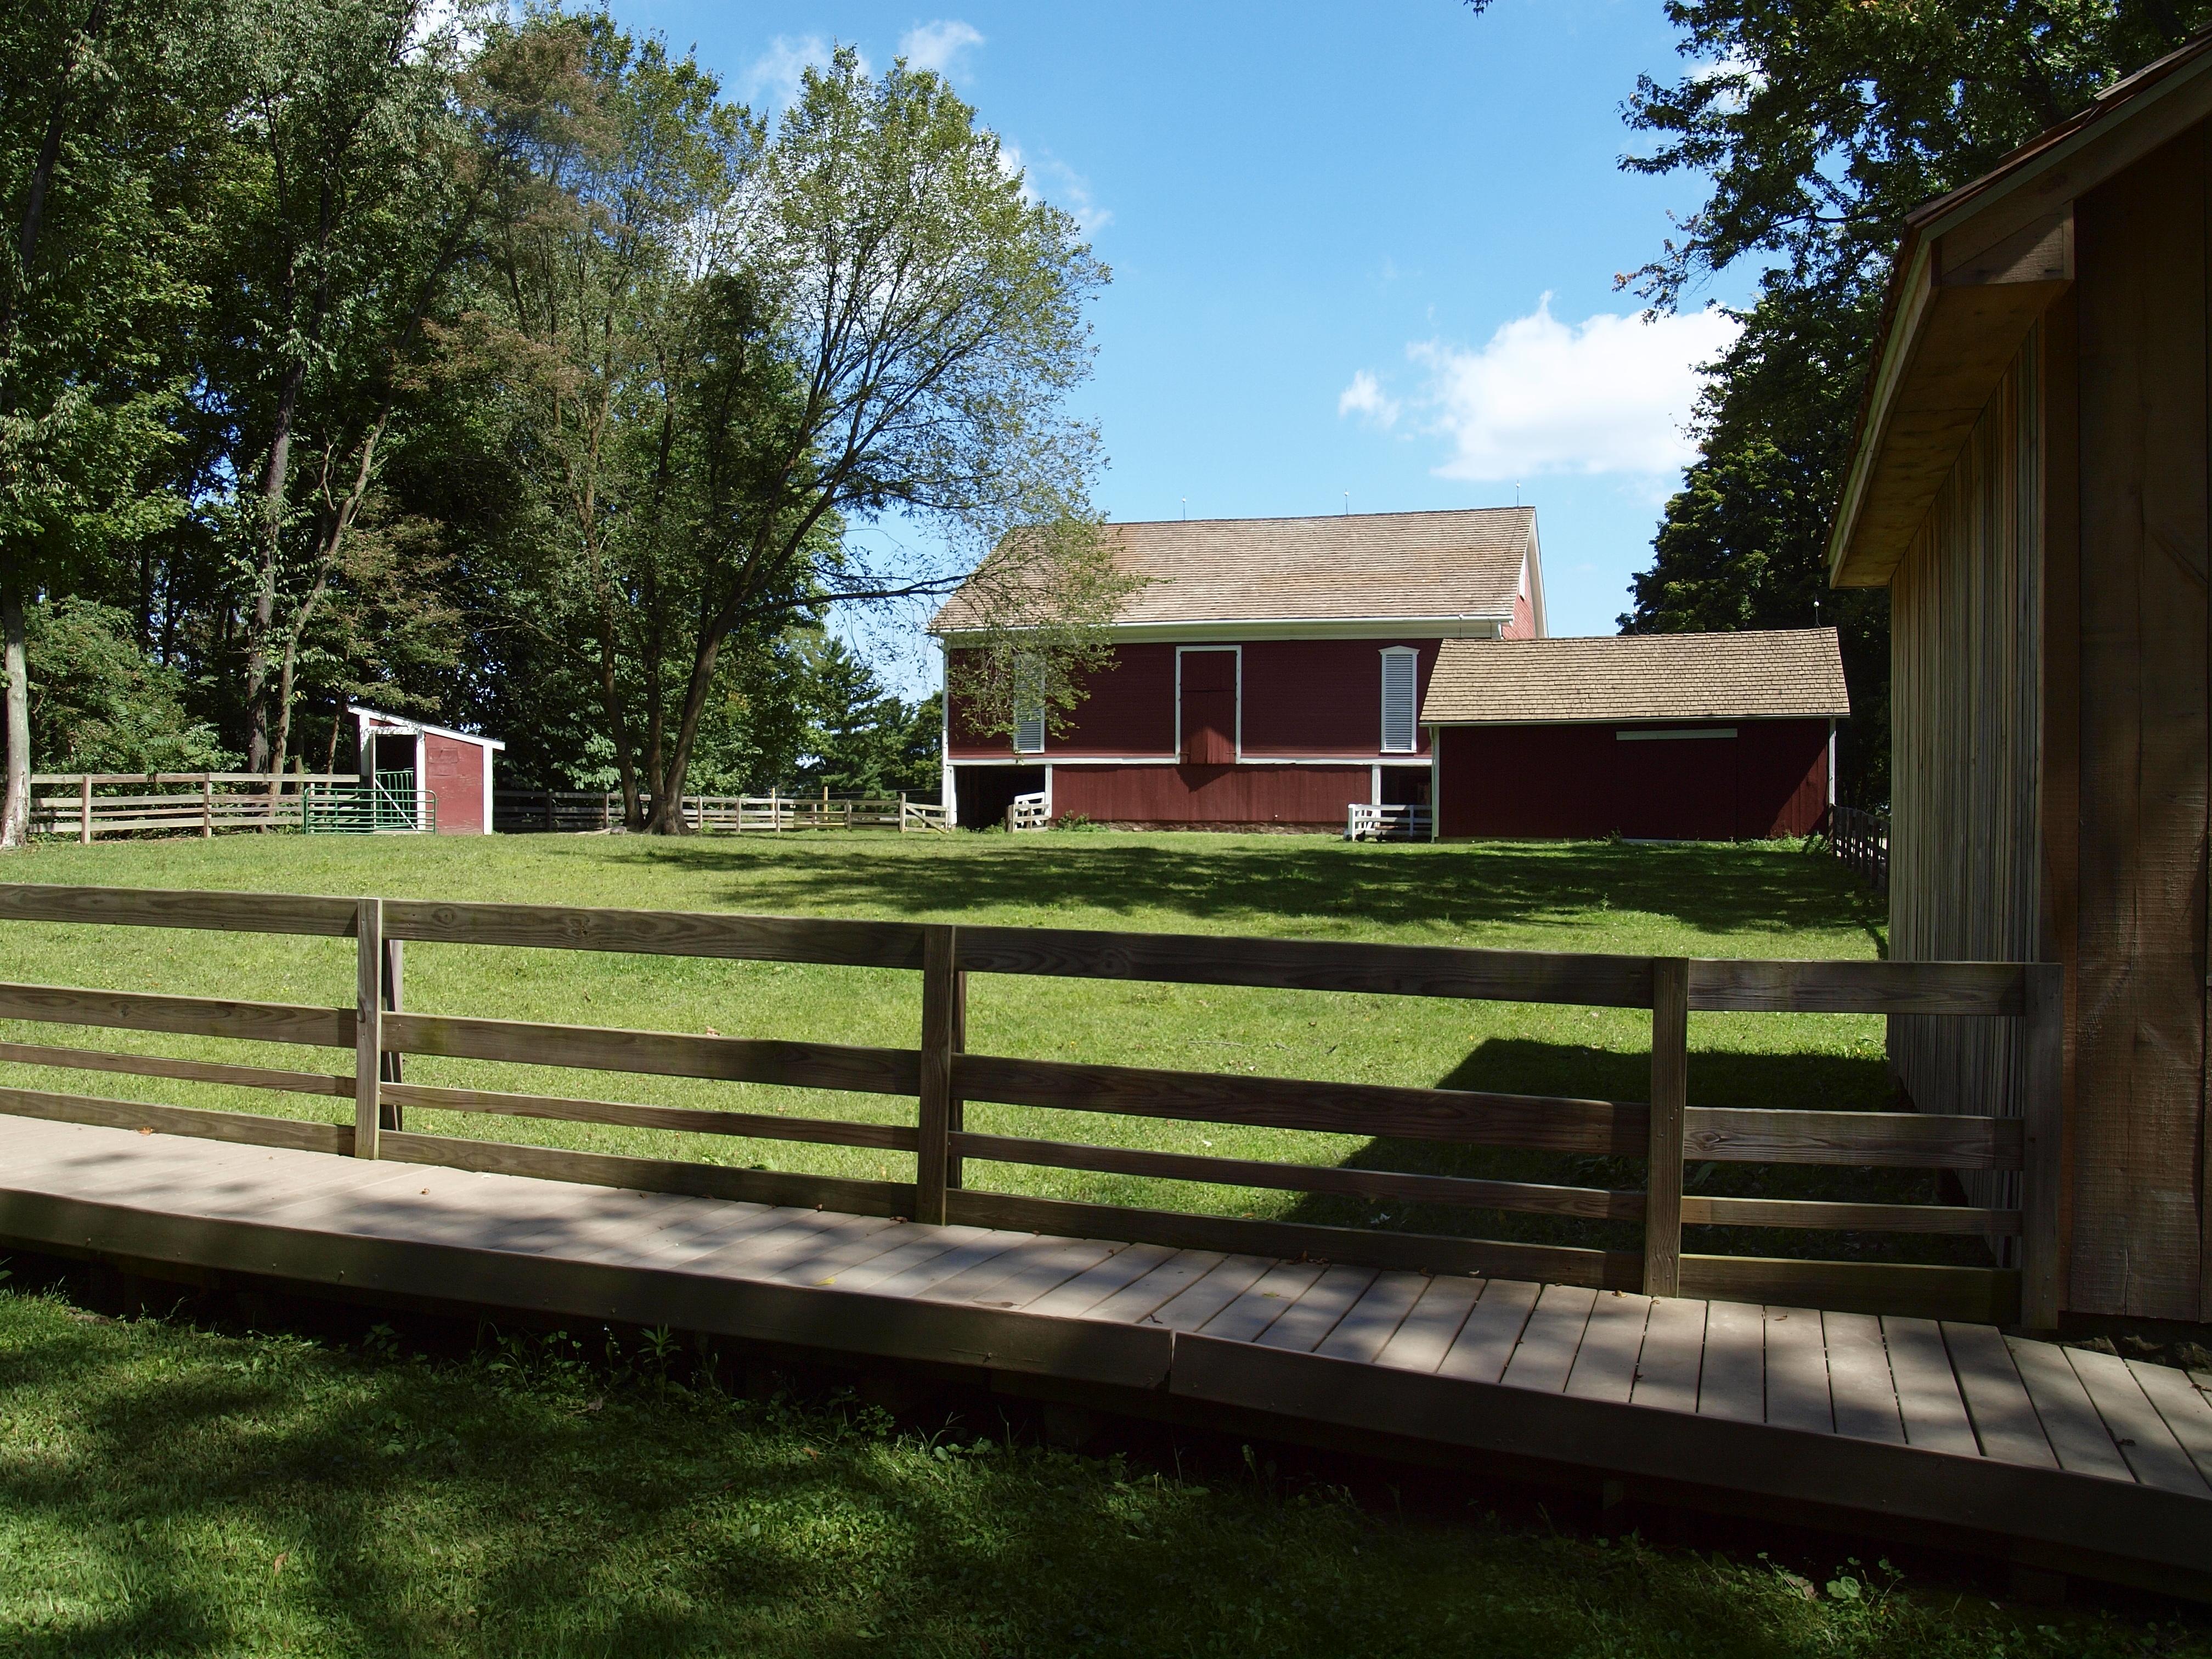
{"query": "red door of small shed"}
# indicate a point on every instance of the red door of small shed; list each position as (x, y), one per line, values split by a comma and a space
(1208, 737)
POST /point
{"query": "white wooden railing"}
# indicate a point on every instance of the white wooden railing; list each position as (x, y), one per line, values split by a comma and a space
(1029, 812)
(1366, 822)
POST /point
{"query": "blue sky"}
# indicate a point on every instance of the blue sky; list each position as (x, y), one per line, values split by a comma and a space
(1359, 248)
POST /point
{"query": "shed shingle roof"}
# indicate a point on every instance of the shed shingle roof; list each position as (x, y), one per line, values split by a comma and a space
(1398, 566)
(1778, 674)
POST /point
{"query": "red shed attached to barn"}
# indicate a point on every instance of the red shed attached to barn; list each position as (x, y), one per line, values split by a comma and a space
(1662, 737)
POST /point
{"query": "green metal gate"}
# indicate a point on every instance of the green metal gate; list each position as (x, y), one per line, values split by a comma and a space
(388, 803)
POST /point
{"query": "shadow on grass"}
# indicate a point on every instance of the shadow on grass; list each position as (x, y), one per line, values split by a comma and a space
(1805, 1082)
(1721, 889)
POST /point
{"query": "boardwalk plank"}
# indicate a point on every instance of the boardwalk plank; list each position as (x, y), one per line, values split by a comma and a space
(1270, 1298)
(2069, 1420)
(1375, 1318)
(2156, 1457)
(2183, 1407)
(921, 1246)
(1092, 1286)
(1797, 1372)
(1605, 1365)
(1673, 1356)
(1426, 1333)
(1546, 1352)
(1928, 1396)
(1199, 1302)
(1486, 1342)
(1859, 1383)
(823, 1267)
(1145, 1297)
(2003, 1416)
(1319, 1311)
(1733, 1384)
(1025, 1273)
(766, 1252)
(940, 1266)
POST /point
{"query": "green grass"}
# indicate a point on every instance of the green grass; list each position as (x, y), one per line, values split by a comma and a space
(1769, 900)
(168, 1490)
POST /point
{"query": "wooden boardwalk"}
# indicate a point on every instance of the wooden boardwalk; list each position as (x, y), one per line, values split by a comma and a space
(2054, 1457)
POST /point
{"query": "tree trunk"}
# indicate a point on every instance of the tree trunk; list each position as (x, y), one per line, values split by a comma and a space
(16, 803)
(617, 728)
(276, 474)
(668, 817)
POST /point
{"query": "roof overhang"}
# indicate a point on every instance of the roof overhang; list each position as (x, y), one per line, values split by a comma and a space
(1976, 270)
(375, 719)
(1291, 627)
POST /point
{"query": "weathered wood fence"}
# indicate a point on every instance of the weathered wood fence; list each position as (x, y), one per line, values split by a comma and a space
(1861, 840)
(576, 810)
(941, 1076)
(87, 805)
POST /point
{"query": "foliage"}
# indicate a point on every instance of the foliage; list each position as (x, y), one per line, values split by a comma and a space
(492, 365)
(98, 705)
(1818, 126)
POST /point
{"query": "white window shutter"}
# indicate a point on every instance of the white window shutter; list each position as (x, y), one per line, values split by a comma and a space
(1399, 712)
(1029, 710)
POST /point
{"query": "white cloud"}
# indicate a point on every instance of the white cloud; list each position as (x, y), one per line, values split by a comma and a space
(1068, 189)
(939, 46)
(774, 76)
(1608, 394)
(1365, 397)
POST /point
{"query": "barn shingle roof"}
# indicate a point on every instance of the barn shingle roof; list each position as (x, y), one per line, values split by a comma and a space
(1771, 675)
(1389, 566)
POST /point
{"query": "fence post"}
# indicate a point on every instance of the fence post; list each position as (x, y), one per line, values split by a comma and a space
(388, 1112)
(207, 807)
(369, 1025)
(955, 1110)
(84, 810)
(2042, 1168)
(939, 986)
(1670, 1087)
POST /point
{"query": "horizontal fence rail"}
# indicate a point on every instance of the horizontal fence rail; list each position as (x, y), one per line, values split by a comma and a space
(90, 805)
(516, 811)
(940, 1077)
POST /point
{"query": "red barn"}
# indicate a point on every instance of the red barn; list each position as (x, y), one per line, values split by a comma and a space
(1665, 737)
(1267, 675)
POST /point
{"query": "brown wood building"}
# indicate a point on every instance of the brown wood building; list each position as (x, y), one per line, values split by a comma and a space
(2032, 481)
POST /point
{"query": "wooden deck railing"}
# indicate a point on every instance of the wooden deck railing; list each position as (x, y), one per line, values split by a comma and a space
(942, 1077)
(90, 804)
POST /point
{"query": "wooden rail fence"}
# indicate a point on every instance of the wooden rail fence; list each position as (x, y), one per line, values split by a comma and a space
(941, 1076)
(1861, 841)
(92, 804)
(577, 810)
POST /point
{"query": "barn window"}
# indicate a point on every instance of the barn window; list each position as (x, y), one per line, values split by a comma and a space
(1401, 682)
(1029, 708)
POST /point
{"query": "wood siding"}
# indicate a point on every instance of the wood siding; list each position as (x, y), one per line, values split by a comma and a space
(1313, 797)
(1584, 781)
(454, 773)
(1300, 699)
(2138, 1175)
(1965, 847)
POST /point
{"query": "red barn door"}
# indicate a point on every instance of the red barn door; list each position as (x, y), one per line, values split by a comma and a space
(1208, 735)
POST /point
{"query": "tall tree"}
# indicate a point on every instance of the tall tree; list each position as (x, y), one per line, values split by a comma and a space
(886, 326)
(91, 140)
(1818, 126)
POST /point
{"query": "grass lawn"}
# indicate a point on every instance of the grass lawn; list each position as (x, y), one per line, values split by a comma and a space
(166, 1489)
(1767, 900)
